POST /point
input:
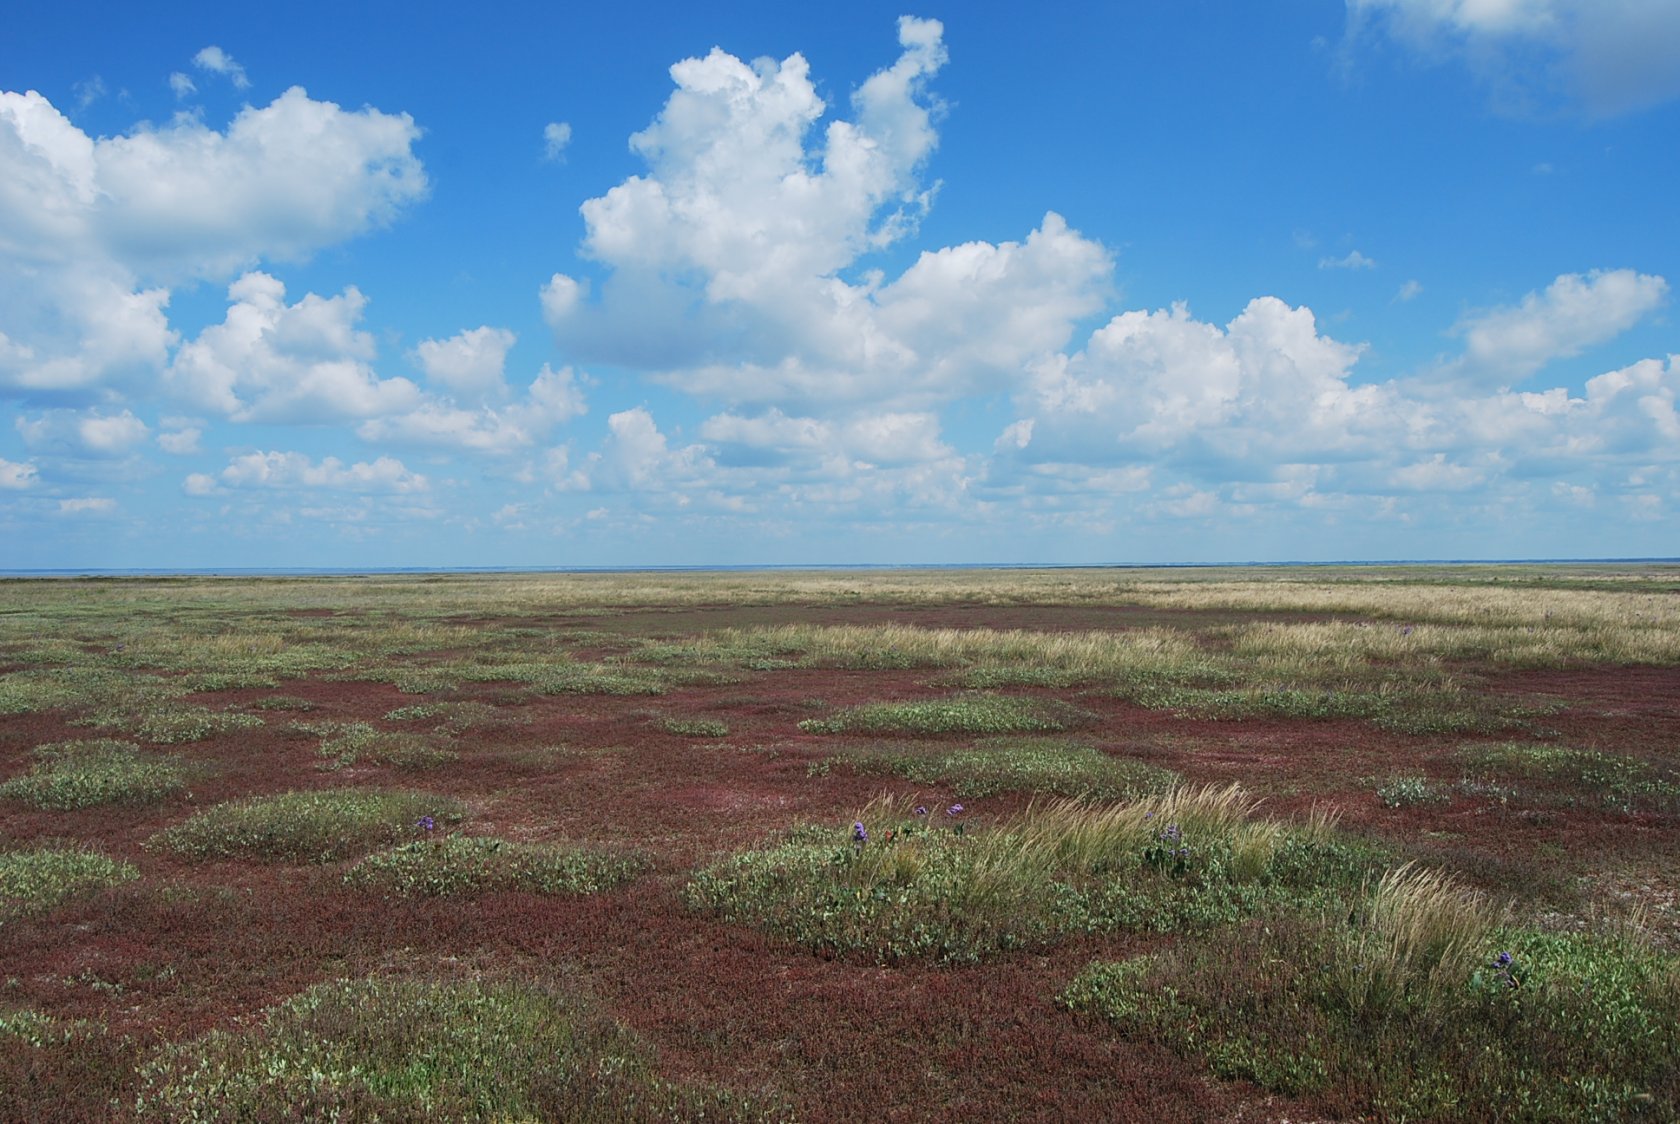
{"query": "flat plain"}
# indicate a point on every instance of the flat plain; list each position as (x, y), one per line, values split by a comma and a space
(1320, 843)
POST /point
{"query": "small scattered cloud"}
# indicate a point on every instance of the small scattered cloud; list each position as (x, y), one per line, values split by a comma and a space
(556, 136)
(1607, 56)
(87, 505)
(217, 61)
(88, 91)
(90, 434)
(552, 399)
(181, 441)
(1352, 260)
(182, 85)
(296, 472)
(1410, 290)
(469, 364)
(1571, 314)
(15, 476)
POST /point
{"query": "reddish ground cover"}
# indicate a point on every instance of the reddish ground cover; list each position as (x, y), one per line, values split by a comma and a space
(842, 1040)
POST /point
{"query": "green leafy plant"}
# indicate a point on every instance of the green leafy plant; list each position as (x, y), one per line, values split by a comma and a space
(320, 826)
(460, 865)
(79, 774)
(44, 877)
(908, 881)
(422, 1049)
(696, 727)
(976, 713)
(1409, 792)
(1052, 766)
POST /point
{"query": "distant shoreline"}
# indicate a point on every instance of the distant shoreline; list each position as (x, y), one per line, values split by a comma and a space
(786, 567)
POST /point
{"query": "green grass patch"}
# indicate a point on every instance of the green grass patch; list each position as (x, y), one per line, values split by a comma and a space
(416, 1049)
(906, 883)
(459, 865)
(1410, 791)
(564, 678)
(1538, 773)
(974, 714)
(1418, 1008)
(174, 724)
(1048, 765)
(80, 774)
(281, 702)
(321, 826)
(44, 877)
(695, 727)
(456, 717)
(352, 743)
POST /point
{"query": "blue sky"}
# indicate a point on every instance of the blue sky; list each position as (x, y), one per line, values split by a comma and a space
(1149, 282)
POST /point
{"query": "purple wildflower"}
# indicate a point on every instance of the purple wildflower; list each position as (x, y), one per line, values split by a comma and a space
(859, 835)
(954, 810)
(921, 809)
(425, 823)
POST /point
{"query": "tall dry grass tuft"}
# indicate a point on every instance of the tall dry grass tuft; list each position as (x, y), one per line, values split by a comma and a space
(1076, 834)
(1420, 931)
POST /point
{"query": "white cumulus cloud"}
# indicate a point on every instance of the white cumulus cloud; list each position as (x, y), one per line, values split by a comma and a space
(553, 398)
(1505, 345)
(83, 434)
(297, 472)
(269, 361)
(469, 363)
(725, 259)
(92, 231)
(218, 61)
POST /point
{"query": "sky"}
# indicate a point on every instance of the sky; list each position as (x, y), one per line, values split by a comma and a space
(1156, 281)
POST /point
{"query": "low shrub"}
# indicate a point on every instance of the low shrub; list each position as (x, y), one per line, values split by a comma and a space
(418, 1049)
(977, 713)
(320, 826)
(351, 743)
(462, 865)
(1545, 774)
(696, 727)
(43, 877)
(907, 882)
(1045, 765)
(1418, 1007)
(174, 724)
(80, 774)
(1409, 792)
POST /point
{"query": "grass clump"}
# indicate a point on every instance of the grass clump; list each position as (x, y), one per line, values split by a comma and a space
(418, 1049)
(566, 678)
(908, 882)
(44, 877)
(350, 743)
(320, 826)
(281, 702)
(1409, 792)
(977, 713)
(696, 727)
(1537, 773)
(175, 724)
(460, 865)
(1052, 766)
(1418, 1006)
(80, 774)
